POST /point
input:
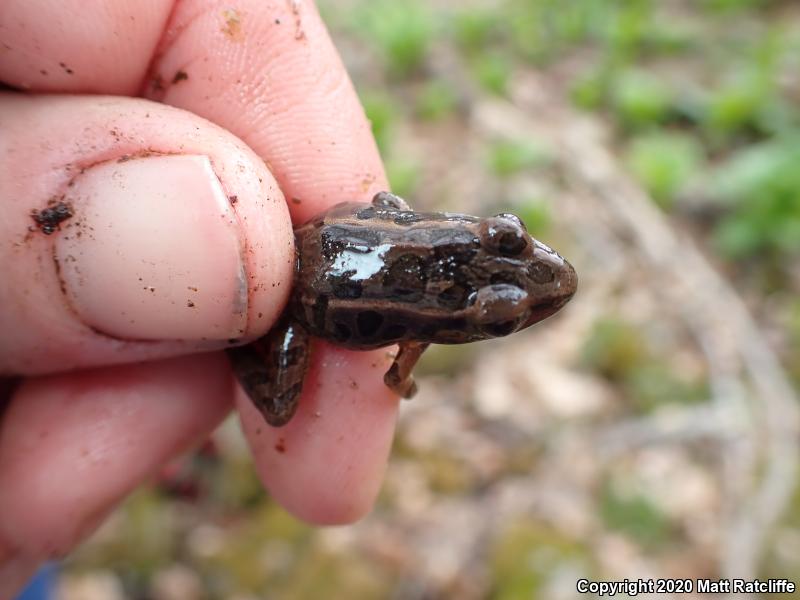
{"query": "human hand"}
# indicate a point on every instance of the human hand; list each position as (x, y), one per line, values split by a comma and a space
(180, 238)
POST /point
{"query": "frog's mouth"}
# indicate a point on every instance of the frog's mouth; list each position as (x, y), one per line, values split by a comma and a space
(538, 313)
(543, 311)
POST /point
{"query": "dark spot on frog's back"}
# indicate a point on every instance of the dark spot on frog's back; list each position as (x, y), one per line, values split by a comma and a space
(455, 297)
(366, 213)
(394, 331)
(320, 311)
(346, 289)
(405, 278)
(459, 247)
(342, 331)
(368, 323)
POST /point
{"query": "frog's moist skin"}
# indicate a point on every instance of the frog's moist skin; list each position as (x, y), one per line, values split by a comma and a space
(372, 275)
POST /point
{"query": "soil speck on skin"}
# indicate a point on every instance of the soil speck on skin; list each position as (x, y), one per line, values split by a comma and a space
(157, 83)
(368, 180)
(296, 200)
(180, 75)
(258, 430)
(48, 219)
(67, 70)
(61, 283)
(353, 384)
(190, 304)
(233, 23)
(233, 199)
(233, 341)
(280, 446)
(299, 33)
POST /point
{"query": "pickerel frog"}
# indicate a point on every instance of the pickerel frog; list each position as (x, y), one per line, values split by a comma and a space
(372, 275)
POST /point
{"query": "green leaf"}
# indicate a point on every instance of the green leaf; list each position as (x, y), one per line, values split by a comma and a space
(492, 72)
(762, 186)
(403, 31)
(474, 29)
(634, 515)
(664, 163)
(511, 156)
(381, 112)
(403, 176)
(640, 97)
(436, 100)
(536, 215)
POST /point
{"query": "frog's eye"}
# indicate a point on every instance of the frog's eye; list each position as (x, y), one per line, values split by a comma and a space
(504, 236)
(512, 217)
(499, 309)
(499, 303)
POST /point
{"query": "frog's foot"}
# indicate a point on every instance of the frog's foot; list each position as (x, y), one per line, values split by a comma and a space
(271, 370)
(389, 200)
(398, 378)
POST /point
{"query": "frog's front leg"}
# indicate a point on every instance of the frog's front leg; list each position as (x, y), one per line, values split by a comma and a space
(389, 200)
(398, 378)
(272, 369)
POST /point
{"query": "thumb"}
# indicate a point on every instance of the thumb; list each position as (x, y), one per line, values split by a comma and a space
(131, 231)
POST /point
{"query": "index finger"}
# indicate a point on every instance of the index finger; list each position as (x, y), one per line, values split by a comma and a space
(268, 72)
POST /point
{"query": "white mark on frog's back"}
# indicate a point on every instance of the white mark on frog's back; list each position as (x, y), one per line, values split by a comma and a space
(360, 264)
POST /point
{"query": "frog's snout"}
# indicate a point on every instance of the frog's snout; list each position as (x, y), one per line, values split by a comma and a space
(557, 283)
(566, 283)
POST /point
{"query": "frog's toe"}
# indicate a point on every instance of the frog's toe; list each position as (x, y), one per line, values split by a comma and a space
(403, 387)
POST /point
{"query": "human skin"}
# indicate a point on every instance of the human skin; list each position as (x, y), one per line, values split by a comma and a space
(187, 137)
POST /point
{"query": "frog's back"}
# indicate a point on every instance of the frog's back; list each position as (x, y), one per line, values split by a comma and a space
(368, 277)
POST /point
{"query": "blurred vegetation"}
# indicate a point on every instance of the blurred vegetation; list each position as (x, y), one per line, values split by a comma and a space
(626, 355)
(634, 515)
(527, 554)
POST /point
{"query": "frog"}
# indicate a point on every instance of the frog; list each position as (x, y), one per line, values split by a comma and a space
(378, 274)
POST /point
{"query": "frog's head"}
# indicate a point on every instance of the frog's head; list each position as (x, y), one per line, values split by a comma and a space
(527, 280)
